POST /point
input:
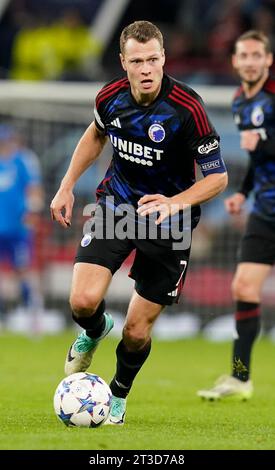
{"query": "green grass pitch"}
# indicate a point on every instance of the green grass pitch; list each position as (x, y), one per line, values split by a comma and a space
(163, 411)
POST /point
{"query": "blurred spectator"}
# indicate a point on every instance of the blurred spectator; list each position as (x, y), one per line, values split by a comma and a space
(64, 49)
(33, 54)
(263, 19)
(196, 18)
(227, 26)
(209, 30)
(179, 51)
(21, 200)
(51, 40)
(14, 16)
(77, 50)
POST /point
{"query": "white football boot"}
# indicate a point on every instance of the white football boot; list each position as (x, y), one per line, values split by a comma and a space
(81, 352)
(228, 386)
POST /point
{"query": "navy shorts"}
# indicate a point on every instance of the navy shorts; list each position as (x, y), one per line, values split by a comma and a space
(258, 242)
(158, 269)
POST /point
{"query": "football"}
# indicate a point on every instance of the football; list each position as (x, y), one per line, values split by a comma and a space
(82, 400)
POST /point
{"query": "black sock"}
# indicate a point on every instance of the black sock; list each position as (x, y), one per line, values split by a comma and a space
(95, 324)
(248, 327)
(128, 365)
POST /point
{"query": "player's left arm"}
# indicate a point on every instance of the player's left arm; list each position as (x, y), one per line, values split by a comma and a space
(200, 192)
(205, 149)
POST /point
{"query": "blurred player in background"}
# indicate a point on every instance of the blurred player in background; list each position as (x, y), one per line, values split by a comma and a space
(254, 114)
(158, 127)
(21, 200)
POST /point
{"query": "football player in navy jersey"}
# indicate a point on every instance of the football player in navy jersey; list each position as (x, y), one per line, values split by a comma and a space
(158, 128)
(254, 114)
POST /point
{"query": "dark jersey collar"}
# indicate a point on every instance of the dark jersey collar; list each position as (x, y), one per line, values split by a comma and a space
(165, 89)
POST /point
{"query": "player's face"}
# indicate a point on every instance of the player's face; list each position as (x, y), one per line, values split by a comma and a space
(143, 63)
(251, 61)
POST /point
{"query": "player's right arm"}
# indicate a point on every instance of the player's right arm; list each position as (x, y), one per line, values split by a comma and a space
(234, 203)
(86, 152)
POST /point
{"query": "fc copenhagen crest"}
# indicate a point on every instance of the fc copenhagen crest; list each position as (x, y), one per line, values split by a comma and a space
(257, 116)
(156, 132)
(86, 240)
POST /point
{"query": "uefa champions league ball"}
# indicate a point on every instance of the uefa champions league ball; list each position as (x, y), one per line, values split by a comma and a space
(82, 400)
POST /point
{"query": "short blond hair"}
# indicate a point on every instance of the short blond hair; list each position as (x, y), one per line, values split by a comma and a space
(141, 31)
(257, 36)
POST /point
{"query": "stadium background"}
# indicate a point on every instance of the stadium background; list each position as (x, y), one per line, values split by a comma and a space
(52, 104)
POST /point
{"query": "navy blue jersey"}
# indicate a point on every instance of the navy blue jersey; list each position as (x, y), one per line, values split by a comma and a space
(155, 147)
(258, 114)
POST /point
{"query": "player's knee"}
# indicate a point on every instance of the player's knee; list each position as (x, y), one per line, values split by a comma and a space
(134, 338)
(84, 304)
(242, 289)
